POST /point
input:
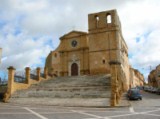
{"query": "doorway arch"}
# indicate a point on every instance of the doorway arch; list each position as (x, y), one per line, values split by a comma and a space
(74, 69)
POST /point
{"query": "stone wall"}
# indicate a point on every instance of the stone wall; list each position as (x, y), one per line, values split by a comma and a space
(74, 49)
(154, 77)
(158, 76)
(136, 78)
(52, 63)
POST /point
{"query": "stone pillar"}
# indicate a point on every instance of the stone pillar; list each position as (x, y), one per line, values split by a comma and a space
(117, 97)
(11, 71)
(116, 89)
(38, 73)
(120, 92)
(45, 72)
(113, 85)
(118, 86)
(27, 75)
(114, 82)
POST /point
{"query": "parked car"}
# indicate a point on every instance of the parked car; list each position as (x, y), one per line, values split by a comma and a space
(158, 91)
(154, 90)
(134, 94)
(146, 88)
(128, 92)
(140, 87)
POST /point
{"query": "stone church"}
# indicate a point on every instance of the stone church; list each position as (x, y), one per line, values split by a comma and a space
(89, 53)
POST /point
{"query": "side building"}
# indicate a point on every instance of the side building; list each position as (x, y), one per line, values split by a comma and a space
(154, 77)
(136, 78)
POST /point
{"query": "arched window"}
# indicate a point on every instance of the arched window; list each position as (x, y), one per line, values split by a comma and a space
(97, 20)
(108, 19)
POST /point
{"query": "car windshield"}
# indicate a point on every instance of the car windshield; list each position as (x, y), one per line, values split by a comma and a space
(135, 92)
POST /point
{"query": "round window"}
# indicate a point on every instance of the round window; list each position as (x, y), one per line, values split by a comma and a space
(74, 43)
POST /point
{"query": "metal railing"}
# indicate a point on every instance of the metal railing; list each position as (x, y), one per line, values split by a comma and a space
(20, 77)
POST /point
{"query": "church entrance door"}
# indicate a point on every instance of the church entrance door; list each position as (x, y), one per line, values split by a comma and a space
(74, 69)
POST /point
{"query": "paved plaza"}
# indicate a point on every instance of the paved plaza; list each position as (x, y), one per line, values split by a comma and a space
(148, 108)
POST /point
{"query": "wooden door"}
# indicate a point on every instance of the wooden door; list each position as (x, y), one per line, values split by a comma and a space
(74, 69)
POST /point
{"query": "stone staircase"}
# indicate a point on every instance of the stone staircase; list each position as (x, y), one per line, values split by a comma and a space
(62, 88)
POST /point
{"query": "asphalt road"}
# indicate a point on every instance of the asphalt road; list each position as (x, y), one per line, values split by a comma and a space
(148, 108)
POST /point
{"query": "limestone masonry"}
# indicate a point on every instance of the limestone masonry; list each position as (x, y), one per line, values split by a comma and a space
(97, 60)
(154, 77)
(82, 53)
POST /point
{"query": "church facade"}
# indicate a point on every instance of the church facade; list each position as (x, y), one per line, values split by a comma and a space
(89, 53)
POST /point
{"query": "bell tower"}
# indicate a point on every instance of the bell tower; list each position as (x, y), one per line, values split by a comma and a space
(104, 40)
(106, 19)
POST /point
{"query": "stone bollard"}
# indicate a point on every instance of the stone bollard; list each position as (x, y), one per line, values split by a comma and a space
(10, 87)
(11, 71)
(117, 97)
(38, 73)
(27, 75)
(45, 72)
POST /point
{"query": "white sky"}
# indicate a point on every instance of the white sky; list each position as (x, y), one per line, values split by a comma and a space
(30, 29)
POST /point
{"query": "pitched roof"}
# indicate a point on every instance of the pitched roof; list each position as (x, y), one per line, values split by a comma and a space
(73, 34)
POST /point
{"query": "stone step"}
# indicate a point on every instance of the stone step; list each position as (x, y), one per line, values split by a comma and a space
(69, 87)
(52, 86)
(71, 102)
(65, 91)
(73, 81)
(63, 94)
(72, 88)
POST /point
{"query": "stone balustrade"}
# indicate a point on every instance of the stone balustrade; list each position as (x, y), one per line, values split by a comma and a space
(14, 86)
(117, 82)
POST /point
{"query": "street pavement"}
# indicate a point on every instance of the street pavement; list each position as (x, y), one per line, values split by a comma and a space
(148, 108)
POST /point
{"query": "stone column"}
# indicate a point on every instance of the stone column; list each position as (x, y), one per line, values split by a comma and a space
(117, 97)
(11, 71)
(27, 75)
(114, 82)
(10, 87)
(116, 88)
(45, 72)
(113, 86)
(120, 92)
(38, 73)
(118, 85)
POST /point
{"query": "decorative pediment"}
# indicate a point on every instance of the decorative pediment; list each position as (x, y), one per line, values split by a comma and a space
(73, 34)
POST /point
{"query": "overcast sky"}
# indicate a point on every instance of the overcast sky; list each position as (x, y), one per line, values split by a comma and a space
(30, 29)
